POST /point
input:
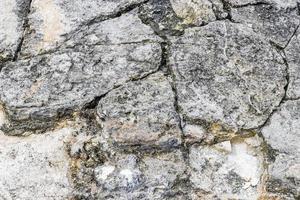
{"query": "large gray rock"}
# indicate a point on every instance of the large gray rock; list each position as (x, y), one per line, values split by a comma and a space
(52, 21)
(226, 73)
(283, 135)
(141, 113)
(276, 20)
(89, 65)
(12, 19)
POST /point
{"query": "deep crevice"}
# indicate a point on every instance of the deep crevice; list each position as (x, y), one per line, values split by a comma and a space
(94, 103)
(25, 26)
(293, 35)
(281, 52)
(260, 3)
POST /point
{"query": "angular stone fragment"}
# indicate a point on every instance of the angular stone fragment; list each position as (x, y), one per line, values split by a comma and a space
(52, 20)
(39, 89)
(164, 173)
(194, 12)
(34, 167)
(141, 113)
(12, 18)
(276, 21)
(160, 15)
(226, 73)
(120, 178)
(225, 171)
(150, 177)
(292, 52)
(283, 135)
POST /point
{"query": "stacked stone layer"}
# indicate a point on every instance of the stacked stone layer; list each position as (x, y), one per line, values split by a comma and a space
(149, 99)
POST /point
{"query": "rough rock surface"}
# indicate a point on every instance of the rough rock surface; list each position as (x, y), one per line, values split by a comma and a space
(13, 14)
(282, 134)
(149, 99)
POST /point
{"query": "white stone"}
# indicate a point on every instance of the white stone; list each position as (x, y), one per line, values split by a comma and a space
(35, 167)
(104, 171)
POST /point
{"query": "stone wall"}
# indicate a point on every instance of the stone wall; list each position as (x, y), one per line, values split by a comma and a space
(149, 99)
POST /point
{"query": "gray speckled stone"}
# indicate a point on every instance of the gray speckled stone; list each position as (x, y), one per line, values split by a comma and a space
(225, 72)
(51, 21)
(41, 88)
(141, 113)
(149, 177)
(283, 135)
(227, 170)
(12, 17)
(35, 167)
(276, 21)
(292, 56)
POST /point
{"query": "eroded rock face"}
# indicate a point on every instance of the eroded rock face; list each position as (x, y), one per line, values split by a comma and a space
(225, 72)
(12, 17)
(35, 167)
(42, 87)
(149, 99)
(52, 20)
(283, 134)
(141, 113)
(276, 20)
(235, 163)
(292, 51)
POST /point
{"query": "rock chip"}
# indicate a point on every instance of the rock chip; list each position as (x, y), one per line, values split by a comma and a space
(149, 177)
(194, 12)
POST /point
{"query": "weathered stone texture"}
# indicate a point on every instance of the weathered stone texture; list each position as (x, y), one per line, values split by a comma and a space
(35, 167)
(226, 73)
(90, 65)
(141, 113)
(149, 99)
(12, 17)
(283, 135)
(227, 170)
(293, 60)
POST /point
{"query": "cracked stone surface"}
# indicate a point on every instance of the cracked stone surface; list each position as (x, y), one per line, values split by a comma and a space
(51, 21)
(292, 50)
(12, 17)
(226, 73)
(141, 113)
(283, 134)
(276, 20)
(89, 66)
(149, 99)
